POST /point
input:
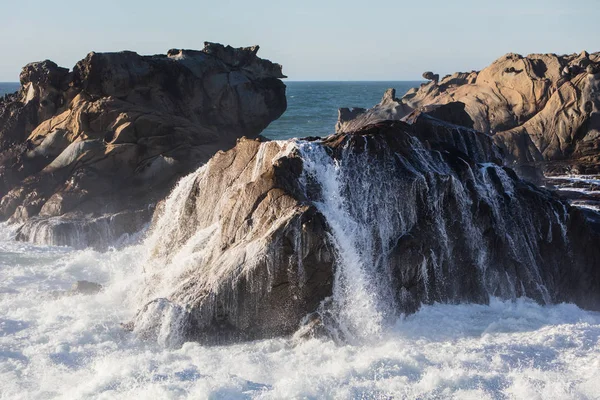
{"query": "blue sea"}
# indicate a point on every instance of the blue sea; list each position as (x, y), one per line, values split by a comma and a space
(312, 106)
(8, 87)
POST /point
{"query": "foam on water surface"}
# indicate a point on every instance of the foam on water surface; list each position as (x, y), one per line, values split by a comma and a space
(73, 347)
(54, 345)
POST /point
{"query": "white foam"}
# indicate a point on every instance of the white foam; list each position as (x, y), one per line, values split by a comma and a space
(74, 347)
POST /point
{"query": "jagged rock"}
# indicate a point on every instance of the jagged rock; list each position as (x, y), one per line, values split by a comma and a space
(430, 76)
(389, 108)
(252, 220)
(345, 232)
(112, 136)
(542, 109)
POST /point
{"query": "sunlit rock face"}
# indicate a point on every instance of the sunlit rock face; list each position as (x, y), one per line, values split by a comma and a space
(541, 109)
(344, 234)
(91, 150)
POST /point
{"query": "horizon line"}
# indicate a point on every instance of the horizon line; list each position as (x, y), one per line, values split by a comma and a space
(320, 80)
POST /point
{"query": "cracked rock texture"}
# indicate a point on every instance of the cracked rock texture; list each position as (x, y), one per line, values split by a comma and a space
(542, 109)
(84, 154)
(269, 233)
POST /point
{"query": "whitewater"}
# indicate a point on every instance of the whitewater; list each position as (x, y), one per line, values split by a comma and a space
(59, 345)
(54, 345)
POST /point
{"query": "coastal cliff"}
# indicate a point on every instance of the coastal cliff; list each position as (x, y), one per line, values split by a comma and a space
(85, 154)
(542, 109)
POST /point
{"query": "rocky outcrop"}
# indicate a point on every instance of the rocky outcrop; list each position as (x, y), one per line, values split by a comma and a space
(344, 234)
(237, 249)
(100, 144)
(542, 108)
(390, 108)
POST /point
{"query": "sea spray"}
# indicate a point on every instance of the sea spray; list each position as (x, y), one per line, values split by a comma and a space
(372, 202)
(185, 261)
(406, 225)
(360, 303)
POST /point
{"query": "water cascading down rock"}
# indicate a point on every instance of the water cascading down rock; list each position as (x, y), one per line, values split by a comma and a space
(346, 233)
(85, 155)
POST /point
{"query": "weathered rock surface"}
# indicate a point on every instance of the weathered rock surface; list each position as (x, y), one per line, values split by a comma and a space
(238, 246)
(345, 233)
(101, 143)
(390, 108)
(542, 108)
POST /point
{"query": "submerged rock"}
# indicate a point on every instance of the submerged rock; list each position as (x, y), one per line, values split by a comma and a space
(346, 233)
(78, 288)
(108, 140)
(85, 287)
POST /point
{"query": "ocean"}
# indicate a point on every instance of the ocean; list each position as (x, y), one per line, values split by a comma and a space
(8, 87)
(59, 346)
(312, 106)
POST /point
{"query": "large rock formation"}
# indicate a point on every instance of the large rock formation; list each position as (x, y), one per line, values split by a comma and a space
(348, 232)
(84, 154)
(239, 245)
(541, 109)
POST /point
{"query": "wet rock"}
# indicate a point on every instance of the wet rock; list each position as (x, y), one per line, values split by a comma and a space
(395, 214)
(259, 221)
(85, 287)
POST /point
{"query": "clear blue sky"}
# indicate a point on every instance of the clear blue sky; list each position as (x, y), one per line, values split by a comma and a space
(313, 39)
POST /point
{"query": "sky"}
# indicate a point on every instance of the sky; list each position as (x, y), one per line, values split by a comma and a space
(312, 39)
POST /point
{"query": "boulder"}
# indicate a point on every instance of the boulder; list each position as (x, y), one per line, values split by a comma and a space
(238, 249)
(430, 76)
(112, 136)
(390, 108)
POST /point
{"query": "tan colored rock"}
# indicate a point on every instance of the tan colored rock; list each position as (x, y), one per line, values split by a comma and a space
(94, 141)
(390, 108)
(541, 108)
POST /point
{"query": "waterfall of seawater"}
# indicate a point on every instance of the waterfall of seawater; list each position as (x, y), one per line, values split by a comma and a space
(361, 223)
(169, 252)
(372, 205)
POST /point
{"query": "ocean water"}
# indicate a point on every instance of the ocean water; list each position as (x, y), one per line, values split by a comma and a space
(8, 87)
(312, 106)
(56, 345)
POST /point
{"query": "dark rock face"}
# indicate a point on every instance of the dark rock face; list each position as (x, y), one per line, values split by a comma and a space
(345, 233)
(542, 109)
(113, 135)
